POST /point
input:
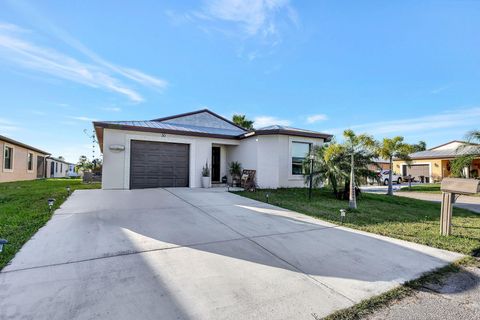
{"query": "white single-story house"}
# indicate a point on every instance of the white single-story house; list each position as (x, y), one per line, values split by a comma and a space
(171, 151)
(58, 168)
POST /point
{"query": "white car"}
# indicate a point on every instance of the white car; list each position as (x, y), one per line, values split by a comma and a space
(383, 177)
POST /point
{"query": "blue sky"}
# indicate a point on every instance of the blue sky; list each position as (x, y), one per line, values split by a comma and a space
(409, 68)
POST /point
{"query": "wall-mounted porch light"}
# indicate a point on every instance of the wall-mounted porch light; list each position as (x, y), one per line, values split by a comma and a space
(116, 147)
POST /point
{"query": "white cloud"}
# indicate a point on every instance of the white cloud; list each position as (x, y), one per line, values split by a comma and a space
(440, 89)
(462, 119)
(255, 17)
(264, 121)
(38, 112)
(98, 74)
(8, 126)
(112, 109)
(316, 118)
(82, 118)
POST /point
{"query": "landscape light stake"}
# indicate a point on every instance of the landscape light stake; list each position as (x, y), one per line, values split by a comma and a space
(50, 204)
(68, 190)
(342, 215)
(266, 196)
(2, 243)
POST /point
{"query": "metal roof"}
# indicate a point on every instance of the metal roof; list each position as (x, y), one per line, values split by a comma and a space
(178, 127)
(201, 125)
(279, 129)
(447, 153)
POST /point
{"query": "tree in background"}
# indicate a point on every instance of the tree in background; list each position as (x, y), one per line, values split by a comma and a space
(420, 146)
(393, 148)
(83, 164)
(242, 121)
(465, 160)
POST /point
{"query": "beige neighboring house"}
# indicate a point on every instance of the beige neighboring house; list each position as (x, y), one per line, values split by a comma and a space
(59, 168)
(435, 164)
(20, 161)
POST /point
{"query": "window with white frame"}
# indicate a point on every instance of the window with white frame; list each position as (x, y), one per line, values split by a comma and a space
(8, 158)
(29, 161)
(56, 166)
(300, 151)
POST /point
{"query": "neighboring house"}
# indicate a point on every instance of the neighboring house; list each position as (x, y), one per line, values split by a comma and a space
(171, 151)
(71, 171)
(20, 161)
(435, 163)
(58, 168)
(379, 164)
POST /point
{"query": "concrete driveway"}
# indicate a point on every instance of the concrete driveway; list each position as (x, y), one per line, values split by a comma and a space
(198, 254)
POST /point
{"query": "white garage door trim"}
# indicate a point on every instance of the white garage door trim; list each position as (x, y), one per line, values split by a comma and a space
(160, 138)
(423, 163)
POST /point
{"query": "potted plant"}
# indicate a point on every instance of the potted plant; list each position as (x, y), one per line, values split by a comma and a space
(235, 169)
(206, 176)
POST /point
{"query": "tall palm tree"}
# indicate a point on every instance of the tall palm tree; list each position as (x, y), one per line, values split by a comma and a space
(393, 148)
(242, 121)
(353, 144)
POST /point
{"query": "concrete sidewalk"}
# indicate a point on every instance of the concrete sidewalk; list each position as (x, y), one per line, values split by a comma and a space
(199, 254)
(466, 202)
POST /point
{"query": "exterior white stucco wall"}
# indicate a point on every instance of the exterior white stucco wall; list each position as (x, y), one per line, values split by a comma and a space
(271, 157)
(116, 164)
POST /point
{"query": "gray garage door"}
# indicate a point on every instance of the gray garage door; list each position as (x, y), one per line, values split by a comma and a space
(158, 164)
(417, 170)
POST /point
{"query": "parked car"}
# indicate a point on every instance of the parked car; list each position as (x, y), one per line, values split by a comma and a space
(383, 177)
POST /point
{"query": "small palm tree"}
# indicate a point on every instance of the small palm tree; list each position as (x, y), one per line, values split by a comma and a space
(393, 148)
(353, 144)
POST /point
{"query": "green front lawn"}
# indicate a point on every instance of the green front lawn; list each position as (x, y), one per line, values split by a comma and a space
(397, 217)
(427, 188)
(24, 209)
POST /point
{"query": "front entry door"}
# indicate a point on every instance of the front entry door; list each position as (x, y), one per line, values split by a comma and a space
(40, 167)
(216, 164)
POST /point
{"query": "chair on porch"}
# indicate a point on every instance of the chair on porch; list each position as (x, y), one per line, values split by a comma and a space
(247, 180)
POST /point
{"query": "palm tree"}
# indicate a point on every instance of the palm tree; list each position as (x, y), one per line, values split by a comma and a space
(332, 166)
(355, 143)
(242, 121)
(393, 148)
(420, 146)
(467, 156)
